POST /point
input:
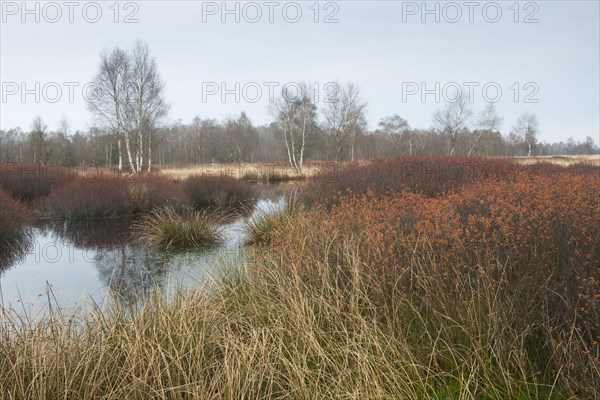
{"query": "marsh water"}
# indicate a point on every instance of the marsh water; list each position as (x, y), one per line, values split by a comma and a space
(75, 264)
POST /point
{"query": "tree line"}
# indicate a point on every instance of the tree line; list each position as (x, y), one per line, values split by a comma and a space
(128, 109)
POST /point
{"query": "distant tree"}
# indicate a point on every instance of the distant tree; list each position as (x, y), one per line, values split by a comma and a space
(527, 129)
(295, 116)
(488, 122)
(344, 117)
(588, 146)
(129, 101)
(38, 141)
(242, 138)
(395, 129)
(453, 118)
(148, 102)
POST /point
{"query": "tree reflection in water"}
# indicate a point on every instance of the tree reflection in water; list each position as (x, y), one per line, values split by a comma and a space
(131, 272)
(100, 257)
(128, 270)
(15, 250)
(91, 234)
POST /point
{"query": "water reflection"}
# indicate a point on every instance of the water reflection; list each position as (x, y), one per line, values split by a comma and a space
(130, 272)
(90, 233)
(90, 259)
(15, 250)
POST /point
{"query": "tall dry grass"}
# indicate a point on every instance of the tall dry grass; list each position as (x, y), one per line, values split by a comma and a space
(258, 171)
(271, 334)
(262, 225)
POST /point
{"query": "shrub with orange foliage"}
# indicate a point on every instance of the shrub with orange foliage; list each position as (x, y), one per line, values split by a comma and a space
(424, 174)
(429, 175)
(532, 244)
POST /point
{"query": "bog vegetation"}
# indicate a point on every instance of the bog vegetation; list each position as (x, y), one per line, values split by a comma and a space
(416, 277)
(167, 230)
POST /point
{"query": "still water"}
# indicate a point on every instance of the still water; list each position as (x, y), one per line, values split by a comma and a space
(78, 263)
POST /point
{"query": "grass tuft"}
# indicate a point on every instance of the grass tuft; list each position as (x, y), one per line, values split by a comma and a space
(265, 223)
(167, 230)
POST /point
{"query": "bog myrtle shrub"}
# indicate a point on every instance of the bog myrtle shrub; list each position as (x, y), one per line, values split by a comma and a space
(110, 196)
(428, 175)
(14, 216)
(30, 181)
(424, 174)
(218, 191)
(530, 243)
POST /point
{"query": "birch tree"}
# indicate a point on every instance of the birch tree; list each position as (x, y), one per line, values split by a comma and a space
(295, 115)
(394, 128)
(453, 118)
(128, 100)
(527, 129)
(344, 116)
(488, 121)
(108, 101)
(38, 138)
(148, 103)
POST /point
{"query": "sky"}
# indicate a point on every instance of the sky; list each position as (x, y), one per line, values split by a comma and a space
(218, 59)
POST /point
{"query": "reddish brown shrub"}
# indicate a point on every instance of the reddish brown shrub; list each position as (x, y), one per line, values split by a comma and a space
(13, 217)
(106, 196)
(31, 181)
(532, 243)
(102, 196)
(148, 191)
(218, 191)
(427, 175)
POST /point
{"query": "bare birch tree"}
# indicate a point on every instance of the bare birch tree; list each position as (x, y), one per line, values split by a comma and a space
(394, 128)
(344, 117)
(527, 129)
(295, 115)
(38, 137)
(453, 118)
(148, 103)
(488, 121)
(128, 100)
(108, 101)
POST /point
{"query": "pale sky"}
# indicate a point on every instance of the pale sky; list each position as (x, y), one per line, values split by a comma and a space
(391, 49)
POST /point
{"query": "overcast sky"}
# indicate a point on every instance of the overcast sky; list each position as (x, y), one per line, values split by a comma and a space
(543, 56)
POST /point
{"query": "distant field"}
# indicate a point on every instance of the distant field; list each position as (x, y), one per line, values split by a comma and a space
(259, 170)
(283, 171)
(561, 160)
